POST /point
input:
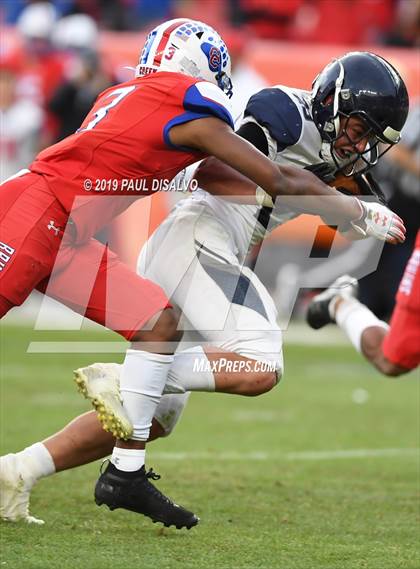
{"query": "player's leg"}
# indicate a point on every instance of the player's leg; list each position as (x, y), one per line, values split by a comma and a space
(227, 380)
(28, 245)
(80, 442)
(365, 331)
(139, 310)
(372, 347)
(205, 291)
(219, 299)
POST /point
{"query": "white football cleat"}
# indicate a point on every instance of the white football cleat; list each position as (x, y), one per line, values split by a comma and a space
(100, 383)
(15, 490)
(318, 313)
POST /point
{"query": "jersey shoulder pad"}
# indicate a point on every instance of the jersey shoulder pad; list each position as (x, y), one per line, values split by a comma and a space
(207, 99)
(200, 100)
(275, 110)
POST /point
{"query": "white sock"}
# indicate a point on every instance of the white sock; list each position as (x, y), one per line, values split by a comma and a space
(36, 462)
(128, 459)
(190, 371)
(142, 382)
(353, 318)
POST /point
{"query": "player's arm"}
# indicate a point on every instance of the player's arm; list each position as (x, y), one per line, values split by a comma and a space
(207, 126)
(300, 189)
(218, 178)
(214, 137)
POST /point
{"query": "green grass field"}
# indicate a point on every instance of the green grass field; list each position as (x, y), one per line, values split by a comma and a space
(252, 469)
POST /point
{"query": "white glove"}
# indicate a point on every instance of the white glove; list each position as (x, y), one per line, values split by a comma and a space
(380, 222)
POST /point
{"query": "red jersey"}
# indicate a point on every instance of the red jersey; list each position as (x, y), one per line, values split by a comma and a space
(122, 149)
(408, 295)
(402, 345)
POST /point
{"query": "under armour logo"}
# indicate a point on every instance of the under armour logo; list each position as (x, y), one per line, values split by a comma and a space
(52, 227)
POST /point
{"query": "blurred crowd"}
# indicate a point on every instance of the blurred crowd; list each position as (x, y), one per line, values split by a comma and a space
(392, 22)
(49, 83)
(49, 79)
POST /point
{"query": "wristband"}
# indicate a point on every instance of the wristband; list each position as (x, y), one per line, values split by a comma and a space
(263, 198)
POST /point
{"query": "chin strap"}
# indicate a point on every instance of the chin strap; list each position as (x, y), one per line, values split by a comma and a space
(326, 153)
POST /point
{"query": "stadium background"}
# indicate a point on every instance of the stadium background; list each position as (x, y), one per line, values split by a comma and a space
(313, 510)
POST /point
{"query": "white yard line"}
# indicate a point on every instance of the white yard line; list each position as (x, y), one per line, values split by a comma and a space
(55, 316)
(298, 333)
(69, 347)
(289, 456)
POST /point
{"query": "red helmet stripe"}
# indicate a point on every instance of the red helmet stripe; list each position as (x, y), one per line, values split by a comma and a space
(164, 40)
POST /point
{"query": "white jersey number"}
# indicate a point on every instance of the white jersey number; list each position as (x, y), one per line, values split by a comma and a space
(101, 113)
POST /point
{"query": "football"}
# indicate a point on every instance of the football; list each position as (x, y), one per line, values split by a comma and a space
(346, 185)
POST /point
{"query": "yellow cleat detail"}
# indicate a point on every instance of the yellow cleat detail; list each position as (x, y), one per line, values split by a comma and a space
(100, 384)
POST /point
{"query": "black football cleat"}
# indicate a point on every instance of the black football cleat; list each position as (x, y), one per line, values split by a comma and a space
(318, 313)
(133, 491)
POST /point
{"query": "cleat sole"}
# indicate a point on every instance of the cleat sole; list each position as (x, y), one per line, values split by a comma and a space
(138, 495)
(119, 427)
(179, 526)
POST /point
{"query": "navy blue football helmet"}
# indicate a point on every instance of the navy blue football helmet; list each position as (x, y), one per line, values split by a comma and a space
(364, 85)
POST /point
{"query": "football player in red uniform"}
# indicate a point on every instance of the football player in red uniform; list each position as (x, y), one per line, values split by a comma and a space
(395, 349)
(146, 130)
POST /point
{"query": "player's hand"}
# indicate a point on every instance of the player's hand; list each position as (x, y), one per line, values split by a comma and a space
(380, 222)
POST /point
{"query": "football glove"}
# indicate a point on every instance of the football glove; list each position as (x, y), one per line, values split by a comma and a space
(380, 222)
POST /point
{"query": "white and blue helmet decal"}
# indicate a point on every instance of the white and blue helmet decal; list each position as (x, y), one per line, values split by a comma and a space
(189, 47)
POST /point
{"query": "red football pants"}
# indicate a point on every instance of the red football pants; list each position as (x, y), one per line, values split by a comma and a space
(88, 278)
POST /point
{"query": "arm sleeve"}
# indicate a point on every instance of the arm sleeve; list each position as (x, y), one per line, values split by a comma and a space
(201, 100)
(254, 134)
(275, 111)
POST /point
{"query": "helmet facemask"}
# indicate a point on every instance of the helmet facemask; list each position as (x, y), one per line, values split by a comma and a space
(224, 82)
(354, 160)
(363, 86)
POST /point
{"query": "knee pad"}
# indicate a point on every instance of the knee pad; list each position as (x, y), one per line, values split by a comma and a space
(264, 347)
(170, 409)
